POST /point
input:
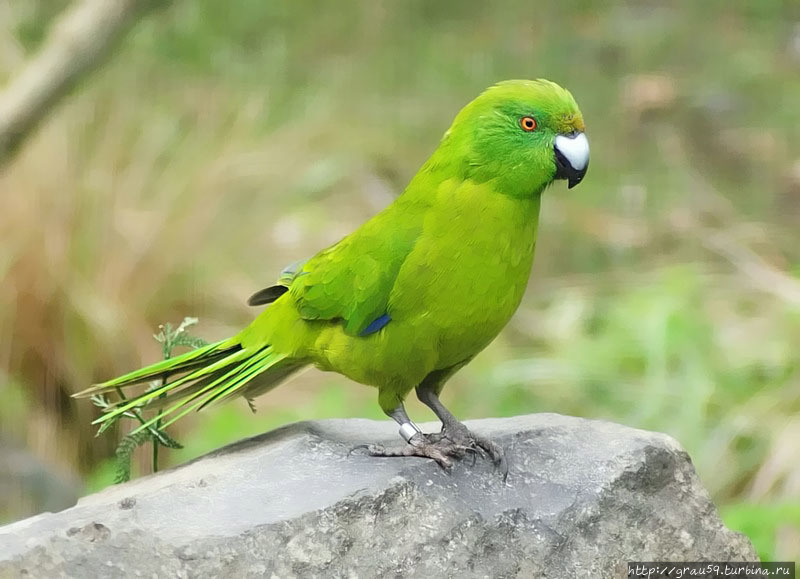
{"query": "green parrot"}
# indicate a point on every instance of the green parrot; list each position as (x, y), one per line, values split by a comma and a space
(413, 294)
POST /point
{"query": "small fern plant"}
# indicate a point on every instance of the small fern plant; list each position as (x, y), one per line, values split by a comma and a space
(170, 338)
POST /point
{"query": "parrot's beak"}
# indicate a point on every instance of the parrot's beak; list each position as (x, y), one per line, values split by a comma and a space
(572, 157)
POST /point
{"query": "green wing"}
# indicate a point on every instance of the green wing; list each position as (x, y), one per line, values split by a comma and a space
(351, 281)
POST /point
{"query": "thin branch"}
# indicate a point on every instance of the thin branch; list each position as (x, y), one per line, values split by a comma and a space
(81, 38)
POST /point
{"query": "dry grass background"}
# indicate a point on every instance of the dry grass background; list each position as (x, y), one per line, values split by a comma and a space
(225, 140)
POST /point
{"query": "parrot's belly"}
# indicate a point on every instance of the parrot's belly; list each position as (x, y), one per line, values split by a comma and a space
(466, 309)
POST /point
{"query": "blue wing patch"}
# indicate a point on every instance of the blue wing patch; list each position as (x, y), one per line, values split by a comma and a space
(376, 325)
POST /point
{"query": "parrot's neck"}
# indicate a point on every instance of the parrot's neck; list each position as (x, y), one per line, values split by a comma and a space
(477, 205)
(454, 160)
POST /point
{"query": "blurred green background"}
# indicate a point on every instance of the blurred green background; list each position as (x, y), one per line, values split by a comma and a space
(224, 140)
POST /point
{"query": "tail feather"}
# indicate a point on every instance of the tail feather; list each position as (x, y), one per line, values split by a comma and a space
(243, 378)
(209, 374)
(233, 379)
(192, 360)
(183, 391)
(265, 381)
(145, 397)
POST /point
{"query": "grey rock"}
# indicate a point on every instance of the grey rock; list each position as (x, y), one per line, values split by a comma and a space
(582, 498)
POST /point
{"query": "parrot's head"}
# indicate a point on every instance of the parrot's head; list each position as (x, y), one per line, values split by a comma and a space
(522, 134)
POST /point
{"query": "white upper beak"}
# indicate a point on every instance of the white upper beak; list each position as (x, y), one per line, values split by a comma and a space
(575, 150)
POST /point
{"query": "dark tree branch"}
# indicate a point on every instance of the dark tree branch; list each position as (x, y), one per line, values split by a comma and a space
(82, 37)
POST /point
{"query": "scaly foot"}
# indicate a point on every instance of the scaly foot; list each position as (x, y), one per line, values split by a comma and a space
(454, 442)
(459, 434)
(442, 451)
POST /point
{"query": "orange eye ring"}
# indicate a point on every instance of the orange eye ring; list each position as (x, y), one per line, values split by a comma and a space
(528, 124)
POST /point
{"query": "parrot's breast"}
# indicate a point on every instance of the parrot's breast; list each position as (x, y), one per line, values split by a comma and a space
(455, 291)
(467, 275)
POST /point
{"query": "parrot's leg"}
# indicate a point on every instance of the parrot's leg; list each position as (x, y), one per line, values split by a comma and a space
(408, 430)
(454, 433)
(418, 443)
(454, 441)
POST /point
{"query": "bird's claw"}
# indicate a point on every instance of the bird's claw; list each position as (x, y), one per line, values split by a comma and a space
(416, 447)
(480, 445)
(444, 447)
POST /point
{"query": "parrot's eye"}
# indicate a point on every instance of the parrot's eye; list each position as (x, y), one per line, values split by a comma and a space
(527, 123)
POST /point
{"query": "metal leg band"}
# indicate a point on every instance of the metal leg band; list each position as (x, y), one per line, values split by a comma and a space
(408, 430)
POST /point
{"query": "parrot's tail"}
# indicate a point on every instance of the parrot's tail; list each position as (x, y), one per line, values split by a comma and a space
(211, 373)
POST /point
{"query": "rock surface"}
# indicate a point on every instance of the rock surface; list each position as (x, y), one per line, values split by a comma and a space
(582, 498)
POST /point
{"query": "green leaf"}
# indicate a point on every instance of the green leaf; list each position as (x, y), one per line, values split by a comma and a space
(124, 453)
(164, 439)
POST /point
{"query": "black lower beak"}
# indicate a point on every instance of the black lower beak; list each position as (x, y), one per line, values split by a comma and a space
(564, 170)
